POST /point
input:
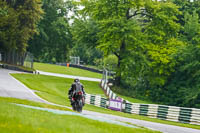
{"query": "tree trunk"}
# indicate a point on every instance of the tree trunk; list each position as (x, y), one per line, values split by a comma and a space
(118, 73)
(119, 56)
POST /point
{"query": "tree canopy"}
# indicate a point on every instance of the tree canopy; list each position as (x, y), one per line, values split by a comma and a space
(18, 23)
(54, 38)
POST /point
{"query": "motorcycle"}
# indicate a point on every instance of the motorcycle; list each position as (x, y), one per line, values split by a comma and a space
(78, 102)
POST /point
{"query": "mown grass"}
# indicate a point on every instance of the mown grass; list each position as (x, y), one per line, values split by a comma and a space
(65, 70)
(134, 100)
(32, 103)
(55, 90)
(125, 94)
(16, 119)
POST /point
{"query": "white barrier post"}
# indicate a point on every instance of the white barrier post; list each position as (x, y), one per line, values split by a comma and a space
(0, 57)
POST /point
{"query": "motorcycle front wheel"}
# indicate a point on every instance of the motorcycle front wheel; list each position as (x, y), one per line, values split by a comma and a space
(80, 106)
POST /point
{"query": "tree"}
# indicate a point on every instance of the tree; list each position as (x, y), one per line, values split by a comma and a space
(124, 24)
(20, 18)
(85, 38)
(8, 27)
(29, 15)
(118, 29)
(148, 69)
(54, 38)
(178, 80)
(110, 62)
(183, 84)
(162, 40)
(156, 44)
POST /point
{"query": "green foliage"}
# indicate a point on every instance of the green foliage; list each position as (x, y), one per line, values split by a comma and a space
(110, 62)
(85, 41)
(151, 40)
(162, 43)
(18, 23)
(162, 62)
(54, 38)
(8, 27)
(118, 31)
(191, 27)
(163, 24)
(181, 87)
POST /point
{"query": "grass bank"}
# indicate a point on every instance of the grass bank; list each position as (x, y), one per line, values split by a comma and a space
(31, 103)
(127, 95)
(134, 100)
(55, 89)
(65, 70)
(14, 119)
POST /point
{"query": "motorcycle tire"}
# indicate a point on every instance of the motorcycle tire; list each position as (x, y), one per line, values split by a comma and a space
(80, 106)
(79, 109)
(74, 107)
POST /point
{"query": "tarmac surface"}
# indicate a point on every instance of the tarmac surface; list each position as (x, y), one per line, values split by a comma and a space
(68, 76)
(10, 87)
(150, 125)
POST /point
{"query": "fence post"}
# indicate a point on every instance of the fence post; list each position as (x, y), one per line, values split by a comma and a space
(0, 57)
(32, 63)
(106, 76)
(78, 61)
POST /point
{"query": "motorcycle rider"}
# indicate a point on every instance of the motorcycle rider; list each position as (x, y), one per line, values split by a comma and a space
(72, 91)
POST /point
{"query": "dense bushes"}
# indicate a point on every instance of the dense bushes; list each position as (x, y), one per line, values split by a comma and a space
(167, 71)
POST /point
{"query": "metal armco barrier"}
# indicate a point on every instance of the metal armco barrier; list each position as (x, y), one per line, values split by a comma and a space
(171, 113)
(108, 91)
(96, 100)
(164, 112)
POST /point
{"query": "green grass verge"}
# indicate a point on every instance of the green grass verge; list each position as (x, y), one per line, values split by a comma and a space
(123, 93)
(65, 70)
(16, 119)
(32, 103)
(134, 100)
(54, 90)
